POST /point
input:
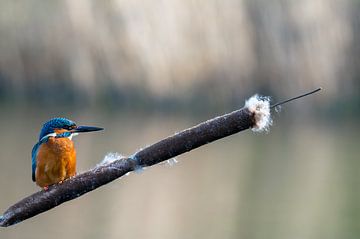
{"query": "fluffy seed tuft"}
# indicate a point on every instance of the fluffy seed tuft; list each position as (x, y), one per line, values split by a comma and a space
(260, 107)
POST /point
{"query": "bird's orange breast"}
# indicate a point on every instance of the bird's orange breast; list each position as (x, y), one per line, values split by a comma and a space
(55, 161)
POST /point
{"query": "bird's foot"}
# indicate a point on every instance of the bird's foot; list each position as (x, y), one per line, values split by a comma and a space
(61, 181)
(46, 188)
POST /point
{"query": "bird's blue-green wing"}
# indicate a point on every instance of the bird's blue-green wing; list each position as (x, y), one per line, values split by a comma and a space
(34, 153)
(33, 159)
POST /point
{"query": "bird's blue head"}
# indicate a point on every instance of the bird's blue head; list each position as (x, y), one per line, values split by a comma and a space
(60, 125)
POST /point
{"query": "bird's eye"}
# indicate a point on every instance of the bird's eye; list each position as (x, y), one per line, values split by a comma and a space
(69, 127)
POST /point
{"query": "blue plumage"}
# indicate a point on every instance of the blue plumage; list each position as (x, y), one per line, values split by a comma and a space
(34, 154)
(33, 160)
(56, 123)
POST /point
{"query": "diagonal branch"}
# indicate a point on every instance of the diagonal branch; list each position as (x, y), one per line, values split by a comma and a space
(255, 115)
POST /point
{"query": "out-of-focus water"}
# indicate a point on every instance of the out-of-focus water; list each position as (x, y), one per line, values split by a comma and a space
(301, 180)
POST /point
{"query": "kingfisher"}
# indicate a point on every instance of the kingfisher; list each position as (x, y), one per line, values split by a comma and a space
(54, 155)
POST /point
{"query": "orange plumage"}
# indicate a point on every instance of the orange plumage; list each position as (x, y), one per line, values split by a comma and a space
(55, 161)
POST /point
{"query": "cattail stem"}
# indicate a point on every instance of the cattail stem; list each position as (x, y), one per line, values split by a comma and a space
(167, 148)
(255, 115)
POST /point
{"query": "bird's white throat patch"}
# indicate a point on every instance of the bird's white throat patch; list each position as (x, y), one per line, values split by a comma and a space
(54, 135)
(73, 135)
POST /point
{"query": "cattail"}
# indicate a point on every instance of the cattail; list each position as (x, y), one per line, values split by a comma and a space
(255, 115)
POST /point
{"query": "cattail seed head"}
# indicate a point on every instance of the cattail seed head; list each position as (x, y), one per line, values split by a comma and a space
(259, 106)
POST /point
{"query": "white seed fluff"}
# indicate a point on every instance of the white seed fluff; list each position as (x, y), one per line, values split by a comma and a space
(172, 161)
(260, 107)
(111, 157)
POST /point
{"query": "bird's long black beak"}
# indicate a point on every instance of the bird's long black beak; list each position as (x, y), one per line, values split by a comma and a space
(83, 129)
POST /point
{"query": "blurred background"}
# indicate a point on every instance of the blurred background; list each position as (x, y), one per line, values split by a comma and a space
(146, 69)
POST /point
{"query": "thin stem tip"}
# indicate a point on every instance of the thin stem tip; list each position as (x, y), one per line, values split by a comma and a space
(295, 98)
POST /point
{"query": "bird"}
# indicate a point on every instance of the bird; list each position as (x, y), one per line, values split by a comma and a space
(54, 155)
